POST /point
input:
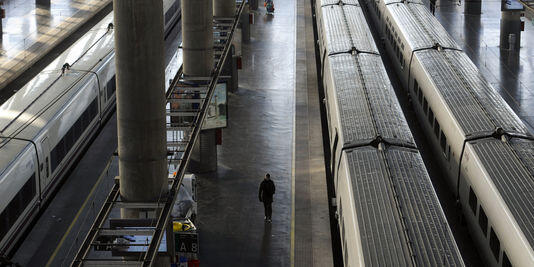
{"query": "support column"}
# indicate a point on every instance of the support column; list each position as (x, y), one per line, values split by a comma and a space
(140, 93)
(473, 7)
(253, 4)
(42, 2)
(204, 154)
(197, 42)
(224, 8)
(197, 37)
(510, 30)
(2, 17)
(245, 24)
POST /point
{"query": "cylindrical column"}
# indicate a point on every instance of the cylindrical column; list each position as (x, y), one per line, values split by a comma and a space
(42, 2)
(2, 17)
(253, 4)
(204, 154)
(473, 7)
(224, 8)
(197, 42)
(510, 30)
(197, 37)
(245, 24)
(140, 93)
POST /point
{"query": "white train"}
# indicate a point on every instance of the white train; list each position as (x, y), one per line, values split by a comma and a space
(46, 125)
(389, 214)
(484, 149)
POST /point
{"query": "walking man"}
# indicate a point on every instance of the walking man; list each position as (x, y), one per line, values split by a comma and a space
(266, 196)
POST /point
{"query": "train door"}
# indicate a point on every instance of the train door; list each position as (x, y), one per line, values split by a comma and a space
(44, 166)
(333, 158)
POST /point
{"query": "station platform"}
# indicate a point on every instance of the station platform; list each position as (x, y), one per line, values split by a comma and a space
(511, 73)
(274, 127)
(31, 31)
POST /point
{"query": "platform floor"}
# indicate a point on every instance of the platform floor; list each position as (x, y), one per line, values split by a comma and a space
(29, 32)
(511, 73)
(274, 127)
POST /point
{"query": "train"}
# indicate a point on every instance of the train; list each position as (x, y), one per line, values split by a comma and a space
(47, 124)
(485, 151)
(387, 211)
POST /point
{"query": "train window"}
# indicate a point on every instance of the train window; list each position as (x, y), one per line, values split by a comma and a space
(425, 105)
(420, 94)
(443, 143)
(415, 87)
(430, 117)
(483, 221)
(495, 244)
(17, 205)
(65, 144)
(437, 129)
(505, 261)
(472, 200)
(111, 87)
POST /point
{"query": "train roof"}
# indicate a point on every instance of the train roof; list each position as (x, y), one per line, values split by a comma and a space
(388, 2)
(35, 104)
(345, 29)
(510, 166)
(476, 106)
(419, 27)
(367, 104)
(340, 2)
(399, 215)
(9, 153)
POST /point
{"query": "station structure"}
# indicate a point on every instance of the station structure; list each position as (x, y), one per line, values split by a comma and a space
(210, 104)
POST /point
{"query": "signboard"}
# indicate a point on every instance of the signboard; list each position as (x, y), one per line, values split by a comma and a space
(511, 5)
(186, 242)
(217, 112)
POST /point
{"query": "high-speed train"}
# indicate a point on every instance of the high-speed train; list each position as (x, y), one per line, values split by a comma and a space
(388, 211)
(485, 150)
(46, 125)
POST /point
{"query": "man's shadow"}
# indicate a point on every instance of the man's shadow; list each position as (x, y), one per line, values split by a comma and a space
(265, 244)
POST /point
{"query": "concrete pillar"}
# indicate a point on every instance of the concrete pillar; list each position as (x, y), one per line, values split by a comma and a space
(473, 7)
(510, 30)
(230, 69)
(139, 58)
(197, 42)
(2, 17)
(197, 37)
(42, 2)
(204, 154)
(253, 4)
(245, 24)
(224, 8)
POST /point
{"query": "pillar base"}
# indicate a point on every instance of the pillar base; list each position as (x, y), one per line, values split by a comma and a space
(204, 155)
(473, 7)
(510, 30)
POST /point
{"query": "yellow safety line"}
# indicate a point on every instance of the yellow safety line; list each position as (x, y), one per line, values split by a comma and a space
(49, 262)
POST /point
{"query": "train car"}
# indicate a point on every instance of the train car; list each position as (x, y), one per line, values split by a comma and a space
(483, 147)
(47, 124)
(388, 211)
(171, 14)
